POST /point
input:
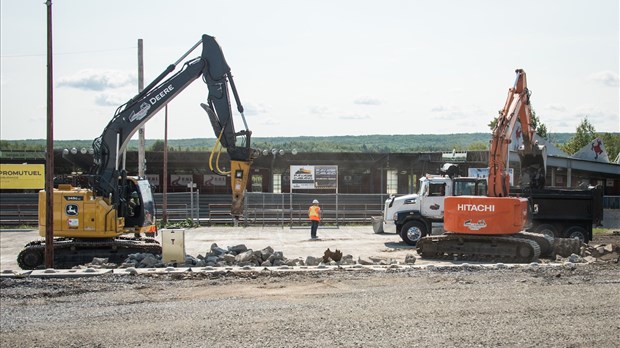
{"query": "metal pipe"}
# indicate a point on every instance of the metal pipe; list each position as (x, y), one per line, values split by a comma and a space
(118, 140)
(188, 52)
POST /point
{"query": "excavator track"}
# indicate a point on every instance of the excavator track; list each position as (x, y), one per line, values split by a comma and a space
(70, 252)
(544, 242)
(465, 247)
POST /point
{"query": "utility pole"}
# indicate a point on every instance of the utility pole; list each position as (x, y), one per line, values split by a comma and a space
(165, 173)
(49, 155)
(141, 154)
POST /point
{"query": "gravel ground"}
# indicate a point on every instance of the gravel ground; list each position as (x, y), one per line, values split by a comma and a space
(466, 306)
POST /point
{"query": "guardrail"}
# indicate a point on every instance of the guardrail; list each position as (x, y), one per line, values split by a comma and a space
(19, 214)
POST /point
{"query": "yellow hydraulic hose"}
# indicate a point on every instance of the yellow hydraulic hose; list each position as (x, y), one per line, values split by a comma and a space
(219, 152)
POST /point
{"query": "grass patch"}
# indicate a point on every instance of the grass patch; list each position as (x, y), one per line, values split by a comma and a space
(599, 230)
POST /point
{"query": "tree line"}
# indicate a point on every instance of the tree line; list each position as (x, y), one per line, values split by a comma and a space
(378, 143)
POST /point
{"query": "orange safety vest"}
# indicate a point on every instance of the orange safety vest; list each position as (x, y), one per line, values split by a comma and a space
(313, 213)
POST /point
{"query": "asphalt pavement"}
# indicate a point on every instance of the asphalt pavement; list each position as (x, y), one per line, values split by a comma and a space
(358, 241)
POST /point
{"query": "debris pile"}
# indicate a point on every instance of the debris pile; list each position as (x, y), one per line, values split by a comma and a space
(240, 256)
(602, 252)
(596, 253)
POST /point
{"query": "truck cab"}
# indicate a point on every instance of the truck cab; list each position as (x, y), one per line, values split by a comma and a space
(413, 216)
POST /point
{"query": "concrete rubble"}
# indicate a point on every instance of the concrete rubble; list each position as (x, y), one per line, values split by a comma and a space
(592, 253)
(603, 252)
(240, 256)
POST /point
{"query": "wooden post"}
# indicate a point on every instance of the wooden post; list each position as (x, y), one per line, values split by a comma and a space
(165, 173)
(49, 155)
(141, 135)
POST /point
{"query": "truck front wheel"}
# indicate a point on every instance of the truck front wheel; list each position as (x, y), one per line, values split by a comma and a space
(412, 231)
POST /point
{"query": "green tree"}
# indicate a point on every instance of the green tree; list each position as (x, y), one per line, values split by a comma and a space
(478, 146)
(539, 127)
(158, 145)
(612, 144)
(584, 134)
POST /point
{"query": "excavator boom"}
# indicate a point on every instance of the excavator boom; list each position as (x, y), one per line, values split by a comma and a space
(215, 72)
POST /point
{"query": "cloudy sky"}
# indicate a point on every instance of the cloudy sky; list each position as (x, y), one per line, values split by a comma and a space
(317, 68)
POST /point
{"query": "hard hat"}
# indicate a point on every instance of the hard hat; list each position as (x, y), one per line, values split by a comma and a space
(316, 201)
(134, 194)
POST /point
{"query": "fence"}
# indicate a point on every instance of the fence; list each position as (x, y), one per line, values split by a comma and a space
(291, 209)
(260, 208)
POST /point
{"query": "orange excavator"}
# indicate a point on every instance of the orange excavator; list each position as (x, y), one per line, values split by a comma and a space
(491, 227)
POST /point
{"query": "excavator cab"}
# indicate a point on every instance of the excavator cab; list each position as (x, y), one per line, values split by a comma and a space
(140, 212)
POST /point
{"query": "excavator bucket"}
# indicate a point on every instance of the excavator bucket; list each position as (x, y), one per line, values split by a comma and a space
(533, 166)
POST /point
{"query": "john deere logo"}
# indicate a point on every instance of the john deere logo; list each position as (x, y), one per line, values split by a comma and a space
(71, 209)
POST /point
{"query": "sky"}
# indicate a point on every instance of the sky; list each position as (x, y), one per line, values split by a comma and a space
(314, 68)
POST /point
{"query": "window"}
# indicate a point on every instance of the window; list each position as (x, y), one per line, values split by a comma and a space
(277, 183)
(437, 189)
(257, 183)
(391, 182)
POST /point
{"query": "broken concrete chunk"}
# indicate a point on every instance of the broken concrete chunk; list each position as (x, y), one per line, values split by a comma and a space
(246, 256)
(312, 261)
(266, 252)
(574, 258)
(410, 259)
(347, 260)
(565, 247)
(217, 250)
(365, 261)
(237, 249)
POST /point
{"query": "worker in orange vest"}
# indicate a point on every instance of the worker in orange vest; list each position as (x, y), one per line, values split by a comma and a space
(314, 214)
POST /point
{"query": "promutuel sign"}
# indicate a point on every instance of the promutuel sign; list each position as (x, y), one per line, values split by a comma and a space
(22, 176)
(314, 177)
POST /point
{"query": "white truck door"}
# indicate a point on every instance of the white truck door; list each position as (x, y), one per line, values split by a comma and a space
(432, 204)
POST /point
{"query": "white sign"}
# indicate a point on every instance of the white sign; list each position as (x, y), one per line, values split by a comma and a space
(314, 177)
(302, 177)
(153, 179)
(181, 179)
(214, 180)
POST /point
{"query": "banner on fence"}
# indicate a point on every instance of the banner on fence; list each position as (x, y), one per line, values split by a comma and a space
(181, 179)
(214, 180)
(22, 176)
(314, 177)
(153, 179)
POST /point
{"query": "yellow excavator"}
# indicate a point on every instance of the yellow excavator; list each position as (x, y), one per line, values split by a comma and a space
(91, 220)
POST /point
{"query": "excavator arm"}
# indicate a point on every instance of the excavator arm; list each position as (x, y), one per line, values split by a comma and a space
(215, 72)
(533, 156)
